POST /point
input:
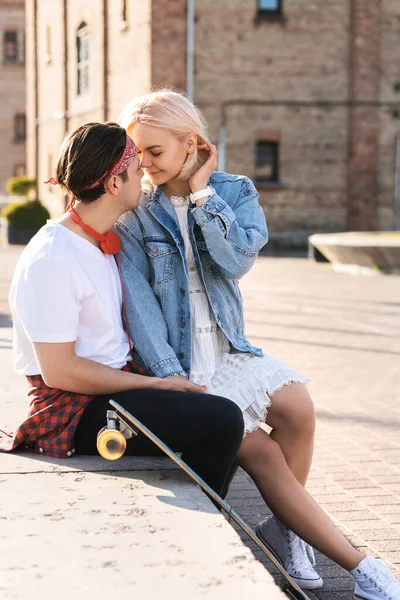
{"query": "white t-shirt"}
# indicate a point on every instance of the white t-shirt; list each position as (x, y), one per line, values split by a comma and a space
(66, 290)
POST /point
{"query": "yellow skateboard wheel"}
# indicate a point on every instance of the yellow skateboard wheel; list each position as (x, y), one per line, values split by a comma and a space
(111, 444)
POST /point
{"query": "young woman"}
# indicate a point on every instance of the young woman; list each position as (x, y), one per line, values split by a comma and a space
(194, 234)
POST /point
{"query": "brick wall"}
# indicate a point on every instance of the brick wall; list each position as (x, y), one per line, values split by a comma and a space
(129, 53)
(389, 125)
(141, 52)
(336, 164)
(168, 44)
(124, 63)
(303, 57)
(50, 110)
(364, 71)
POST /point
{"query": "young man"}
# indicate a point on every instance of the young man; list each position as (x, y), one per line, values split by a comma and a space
(66, 301)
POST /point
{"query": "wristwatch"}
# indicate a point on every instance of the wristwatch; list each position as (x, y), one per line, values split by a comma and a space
(201, 194)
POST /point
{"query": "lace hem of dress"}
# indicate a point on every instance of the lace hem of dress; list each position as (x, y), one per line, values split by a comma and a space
(251, 420)
(252, 391)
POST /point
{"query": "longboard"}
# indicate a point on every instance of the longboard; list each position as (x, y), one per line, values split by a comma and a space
(122, 425)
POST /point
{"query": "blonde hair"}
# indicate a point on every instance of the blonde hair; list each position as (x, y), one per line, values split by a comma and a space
(174, 112)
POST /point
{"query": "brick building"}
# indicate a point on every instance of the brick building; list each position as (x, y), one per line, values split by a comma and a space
(12, 90)
(277, 80)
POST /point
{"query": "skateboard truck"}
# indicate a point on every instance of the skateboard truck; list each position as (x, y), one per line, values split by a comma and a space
(111, 439)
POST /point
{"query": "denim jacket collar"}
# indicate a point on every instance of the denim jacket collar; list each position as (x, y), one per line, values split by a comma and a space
(161, 208)
(163, 211)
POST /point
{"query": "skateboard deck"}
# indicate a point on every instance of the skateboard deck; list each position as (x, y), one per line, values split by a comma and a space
(131, 426)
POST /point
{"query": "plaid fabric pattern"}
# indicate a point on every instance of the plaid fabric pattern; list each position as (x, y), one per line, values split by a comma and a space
(52, 418)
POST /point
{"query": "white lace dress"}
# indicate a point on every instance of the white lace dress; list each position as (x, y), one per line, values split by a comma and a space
(250, 381)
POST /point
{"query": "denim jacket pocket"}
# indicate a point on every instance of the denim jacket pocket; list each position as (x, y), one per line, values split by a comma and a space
(161, 255)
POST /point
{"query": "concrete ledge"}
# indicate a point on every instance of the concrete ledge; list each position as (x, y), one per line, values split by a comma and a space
(29, 462)
(101, 534)
(364, 252)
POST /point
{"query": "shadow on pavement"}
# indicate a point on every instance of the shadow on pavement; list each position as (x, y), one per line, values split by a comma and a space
(322, 329)
(332, 302)
(319, 344)
(359, 419)
(128, 467)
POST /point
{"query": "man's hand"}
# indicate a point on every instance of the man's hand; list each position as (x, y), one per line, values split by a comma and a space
(61, 368)
(179, 384)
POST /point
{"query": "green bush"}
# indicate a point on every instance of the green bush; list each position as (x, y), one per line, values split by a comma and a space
(20, 186)
(31, 213)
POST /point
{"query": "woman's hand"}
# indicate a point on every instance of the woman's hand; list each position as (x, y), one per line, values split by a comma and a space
(198, 181)
(179, 384)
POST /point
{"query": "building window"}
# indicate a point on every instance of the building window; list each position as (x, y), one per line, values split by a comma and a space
(269, 7)
(20, 128)
(267, 162)
(19, 169)
(10, 47)
(82, 53)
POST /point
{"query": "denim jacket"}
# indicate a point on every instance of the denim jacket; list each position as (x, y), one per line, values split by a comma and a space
(226, 232)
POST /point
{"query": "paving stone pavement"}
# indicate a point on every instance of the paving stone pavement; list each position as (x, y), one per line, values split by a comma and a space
(343, 332)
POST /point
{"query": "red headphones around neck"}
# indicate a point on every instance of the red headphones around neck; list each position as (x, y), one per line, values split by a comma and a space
(109, 242)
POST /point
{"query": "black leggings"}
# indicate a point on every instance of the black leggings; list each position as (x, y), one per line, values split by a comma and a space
(206, 429)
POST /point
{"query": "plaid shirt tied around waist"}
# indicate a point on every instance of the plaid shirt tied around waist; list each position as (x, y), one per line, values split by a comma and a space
(52, 418)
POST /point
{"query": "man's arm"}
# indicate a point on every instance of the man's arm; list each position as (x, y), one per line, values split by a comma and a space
(61, 368)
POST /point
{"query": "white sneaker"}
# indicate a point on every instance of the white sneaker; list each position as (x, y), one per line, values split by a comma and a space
(374, 581)
(296, 557)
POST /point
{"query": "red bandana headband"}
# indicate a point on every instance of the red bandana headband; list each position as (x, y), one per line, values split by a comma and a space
(120, 165)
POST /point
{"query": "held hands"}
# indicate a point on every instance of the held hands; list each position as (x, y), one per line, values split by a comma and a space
(198, 181)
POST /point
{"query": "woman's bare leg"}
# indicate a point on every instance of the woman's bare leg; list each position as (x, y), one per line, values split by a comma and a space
(264, 461)
(292, 418)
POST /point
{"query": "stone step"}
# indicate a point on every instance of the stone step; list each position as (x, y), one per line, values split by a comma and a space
(84, 527)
